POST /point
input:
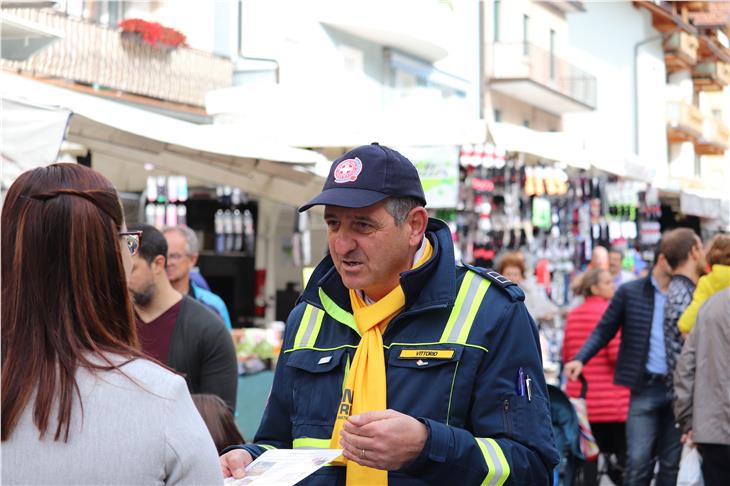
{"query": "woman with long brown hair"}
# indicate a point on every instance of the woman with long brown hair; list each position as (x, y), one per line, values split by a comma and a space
(80, 403)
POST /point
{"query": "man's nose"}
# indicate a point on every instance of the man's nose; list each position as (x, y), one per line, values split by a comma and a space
(344, 243)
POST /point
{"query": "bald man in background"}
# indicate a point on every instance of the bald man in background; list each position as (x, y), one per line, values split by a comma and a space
(599, 258)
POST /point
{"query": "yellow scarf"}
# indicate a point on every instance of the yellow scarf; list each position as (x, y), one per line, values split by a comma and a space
(365, 385)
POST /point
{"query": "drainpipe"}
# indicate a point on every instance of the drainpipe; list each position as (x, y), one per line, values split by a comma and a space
(636, 88)
(241, 55)
(480, 50)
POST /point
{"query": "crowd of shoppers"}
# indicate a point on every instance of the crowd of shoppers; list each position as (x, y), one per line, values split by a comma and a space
(628, 346)
(120, 338)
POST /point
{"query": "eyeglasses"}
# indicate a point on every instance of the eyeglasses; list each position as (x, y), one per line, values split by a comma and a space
(133, 238)
(173, 257)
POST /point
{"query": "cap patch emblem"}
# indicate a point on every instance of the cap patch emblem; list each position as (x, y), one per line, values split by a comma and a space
(348, 170)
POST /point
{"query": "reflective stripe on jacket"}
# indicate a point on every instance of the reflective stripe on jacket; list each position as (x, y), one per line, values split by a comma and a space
(452, 358)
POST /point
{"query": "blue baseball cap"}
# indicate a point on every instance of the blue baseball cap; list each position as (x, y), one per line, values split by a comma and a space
(366, 175)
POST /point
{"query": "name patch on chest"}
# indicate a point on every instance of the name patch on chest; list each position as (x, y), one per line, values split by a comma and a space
(426, 354)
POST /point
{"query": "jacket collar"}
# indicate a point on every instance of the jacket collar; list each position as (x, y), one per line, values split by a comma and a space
(440, 268)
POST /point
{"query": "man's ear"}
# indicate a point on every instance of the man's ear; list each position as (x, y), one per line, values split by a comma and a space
(194, 259)
(158, 264)
(418, 221)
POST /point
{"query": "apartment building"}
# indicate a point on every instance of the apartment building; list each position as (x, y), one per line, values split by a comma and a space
(694, 38)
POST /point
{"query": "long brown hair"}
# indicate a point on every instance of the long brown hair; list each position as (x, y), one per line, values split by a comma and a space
(219, 420)
(64, 291)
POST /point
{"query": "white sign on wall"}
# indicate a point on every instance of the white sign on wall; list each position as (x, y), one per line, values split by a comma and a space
(439, 171)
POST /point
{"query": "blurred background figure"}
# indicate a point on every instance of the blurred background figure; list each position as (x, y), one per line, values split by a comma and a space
(182, 256)
(176, 329)
(219, 420)
(615, 266)
(608, 404)
(718, 257)
(599, 258)
(683, 251)
(637, 309)
(80, 403)
(512, 265)
(702, 380)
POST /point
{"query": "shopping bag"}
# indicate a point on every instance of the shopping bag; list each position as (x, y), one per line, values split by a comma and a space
(588, 445)
(690, 470)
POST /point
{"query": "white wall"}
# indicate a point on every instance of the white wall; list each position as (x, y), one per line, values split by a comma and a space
(603, 40)
(517, 112)
(715, 170)
(542, 20)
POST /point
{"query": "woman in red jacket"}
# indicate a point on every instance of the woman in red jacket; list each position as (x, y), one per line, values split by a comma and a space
(608, 404)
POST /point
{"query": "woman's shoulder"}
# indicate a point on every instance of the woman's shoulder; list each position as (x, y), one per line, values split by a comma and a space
(137, 375)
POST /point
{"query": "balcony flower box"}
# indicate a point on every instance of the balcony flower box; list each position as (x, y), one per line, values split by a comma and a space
(152, 33)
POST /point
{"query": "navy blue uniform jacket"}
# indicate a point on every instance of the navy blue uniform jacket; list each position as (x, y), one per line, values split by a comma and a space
(483, 427)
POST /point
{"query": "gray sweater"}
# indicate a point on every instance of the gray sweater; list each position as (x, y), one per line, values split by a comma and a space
(702, 377)
(145, 433)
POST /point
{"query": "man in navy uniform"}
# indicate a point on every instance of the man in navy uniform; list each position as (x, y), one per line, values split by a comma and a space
(451, 350)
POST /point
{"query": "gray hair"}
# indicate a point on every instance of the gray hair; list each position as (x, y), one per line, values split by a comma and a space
(191, 239)
(400, 206)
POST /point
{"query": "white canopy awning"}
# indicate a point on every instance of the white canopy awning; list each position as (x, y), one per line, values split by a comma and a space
(31, 136)
(555, 146)
(124, 140)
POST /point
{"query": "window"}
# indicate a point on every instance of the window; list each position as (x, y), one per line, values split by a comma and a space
(498, 115)
(526, 123)
(717, 114)
(496, 20)
(525, 35)
(409, 72)
(106, 12)
(698, 166)
(352, 61)
(552, 54)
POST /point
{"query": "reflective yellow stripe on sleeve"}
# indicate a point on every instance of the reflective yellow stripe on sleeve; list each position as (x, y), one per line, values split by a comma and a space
(308, 327)
(310, 443)
(266, 446)
(496, 462)
(468, 299)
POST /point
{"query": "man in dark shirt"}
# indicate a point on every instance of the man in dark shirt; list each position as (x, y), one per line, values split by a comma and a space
(683, 251)
(177, 330)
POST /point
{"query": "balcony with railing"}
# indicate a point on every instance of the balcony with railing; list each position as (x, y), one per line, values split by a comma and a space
(100, 56)
(684, 122)
(712, 75)
(540, 78)
(680, 51)
(715, 138)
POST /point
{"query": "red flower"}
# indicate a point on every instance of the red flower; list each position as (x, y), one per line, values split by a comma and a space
(153, 33)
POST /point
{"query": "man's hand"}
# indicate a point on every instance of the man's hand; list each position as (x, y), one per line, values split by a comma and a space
(384, 440)
(234, 462)
(572, 369)
(687, 439)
